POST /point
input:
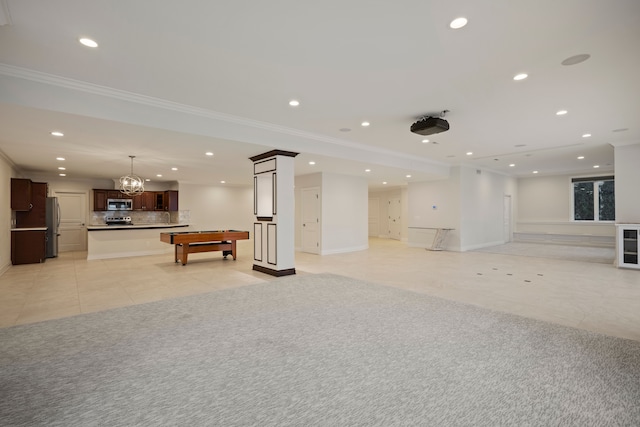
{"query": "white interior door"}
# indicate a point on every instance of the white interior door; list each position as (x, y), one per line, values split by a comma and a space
(508, 233)
(394, 219)
(311, 220)
(374, 217)
(73, 232)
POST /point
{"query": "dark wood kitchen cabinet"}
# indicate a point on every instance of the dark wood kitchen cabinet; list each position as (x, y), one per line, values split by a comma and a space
(20, 194)
(115, 194)
(28, 247)
(37, 215)
(99, 200)
(170, 201)
(144, 201)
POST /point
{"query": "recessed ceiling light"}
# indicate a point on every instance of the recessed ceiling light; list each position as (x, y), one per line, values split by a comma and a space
(561, 113)
(576, 59)
(384, 182)
(57, 133)
(425, 141)
(60, 159)
(596, 166)
(408, 176)
(174, 169)
(62, 174)
(535, 171)
(209, 153)
(312, 162)
(586, 135)
(148, 179)
(88, 42)
(62, 168)
(520, 76)
(458, 23)
(365, 124)
(512, 165)
(469, 153)
(580, 157)
(159, 176)
(294, 103)
(223, 182)
(367, 170)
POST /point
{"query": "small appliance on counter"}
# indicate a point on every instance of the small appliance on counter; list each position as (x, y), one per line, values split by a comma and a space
(118, 220)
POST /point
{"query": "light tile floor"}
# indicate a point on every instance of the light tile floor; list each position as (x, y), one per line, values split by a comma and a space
(592, 296)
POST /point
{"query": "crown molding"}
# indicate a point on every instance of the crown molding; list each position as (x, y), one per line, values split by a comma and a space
(91, 88)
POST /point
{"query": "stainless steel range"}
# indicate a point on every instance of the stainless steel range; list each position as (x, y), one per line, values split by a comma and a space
(118, 220)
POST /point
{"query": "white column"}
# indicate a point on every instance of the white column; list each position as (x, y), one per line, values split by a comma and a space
(273, 208)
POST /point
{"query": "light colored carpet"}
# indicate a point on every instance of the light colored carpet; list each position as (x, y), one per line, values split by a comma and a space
(314, 350)
(564, 252)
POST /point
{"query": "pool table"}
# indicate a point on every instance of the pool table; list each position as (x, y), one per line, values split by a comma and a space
(189, 242)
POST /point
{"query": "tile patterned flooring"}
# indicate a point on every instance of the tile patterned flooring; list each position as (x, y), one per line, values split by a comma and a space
(592, 296)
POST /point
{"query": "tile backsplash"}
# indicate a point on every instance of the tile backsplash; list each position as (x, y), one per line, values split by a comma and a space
(142, 217)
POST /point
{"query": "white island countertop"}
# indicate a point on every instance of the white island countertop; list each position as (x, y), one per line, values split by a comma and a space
(134, 226)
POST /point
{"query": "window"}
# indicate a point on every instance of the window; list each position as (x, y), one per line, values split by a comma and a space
(594, 199)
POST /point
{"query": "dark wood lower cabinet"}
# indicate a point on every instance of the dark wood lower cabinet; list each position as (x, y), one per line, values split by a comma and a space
(28, 247)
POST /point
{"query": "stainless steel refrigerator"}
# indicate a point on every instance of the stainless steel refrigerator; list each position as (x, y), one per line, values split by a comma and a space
(53, 225)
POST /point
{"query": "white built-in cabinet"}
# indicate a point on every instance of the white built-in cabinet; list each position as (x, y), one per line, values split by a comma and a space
(628, 245)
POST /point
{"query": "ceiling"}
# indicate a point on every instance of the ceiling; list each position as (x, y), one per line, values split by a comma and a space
(171, 80)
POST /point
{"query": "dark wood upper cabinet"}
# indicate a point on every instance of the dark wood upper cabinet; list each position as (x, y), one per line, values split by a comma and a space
(99, 200)
(20, 194)
(37, 216)
(170, 200)
(159, 200)
(147, 201)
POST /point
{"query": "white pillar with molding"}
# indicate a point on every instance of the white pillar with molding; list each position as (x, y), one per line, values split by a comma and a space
(274, 211)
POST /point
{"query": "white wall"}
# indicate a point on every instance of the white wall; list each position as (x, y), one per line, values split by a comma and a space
(301, 182)
(343, 218)
(383, 215)
(434, 204)
(544, 207)
(482, 207)
(627, 161)
(217, 207)
(344, 213)
(469, 202)
(6, 173)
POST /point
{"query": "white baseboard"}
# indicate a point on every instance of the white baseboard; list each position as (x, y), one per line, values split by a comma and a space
(5, 268)
(481, 245)
(345, 250)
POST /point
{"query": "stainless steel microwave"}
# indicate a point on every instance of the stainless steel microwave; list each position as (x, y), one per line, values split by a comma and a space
(119, 204)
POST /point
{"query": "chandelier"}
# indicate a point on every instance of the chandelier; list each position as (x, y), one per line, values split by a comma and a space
(131, 184)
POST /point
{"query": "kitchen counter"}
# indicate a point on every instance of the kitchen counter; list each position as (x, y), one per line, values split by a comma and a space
(30, 229)
(138, 226)
(125, 241)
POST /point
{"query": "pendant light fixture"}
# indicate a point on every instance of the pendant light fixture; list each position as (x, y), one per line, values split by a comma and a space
(131, 184)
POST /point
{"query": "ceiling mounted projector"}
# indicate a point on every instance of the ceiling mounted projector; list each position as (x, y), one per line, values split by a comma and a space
(430, 125)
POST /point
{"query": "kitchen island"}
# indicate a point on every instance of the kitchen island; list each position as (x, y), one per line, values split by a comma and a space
(124, 241)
